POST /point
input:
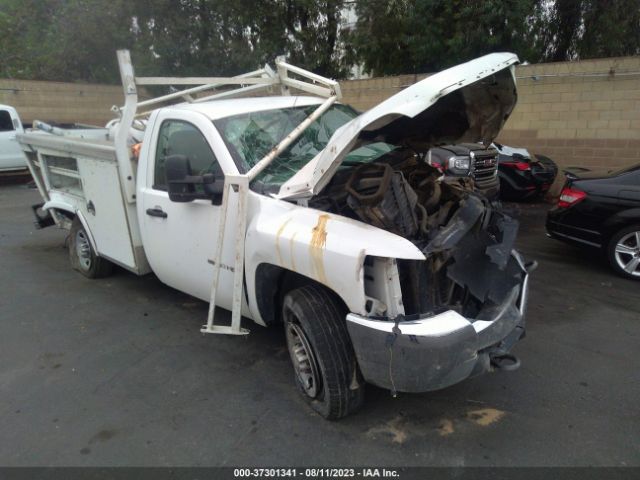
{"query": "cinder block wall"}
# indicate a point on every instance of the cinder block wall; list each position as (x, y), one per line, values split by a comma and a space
(364, 94)
(584, 113)
(61, 102)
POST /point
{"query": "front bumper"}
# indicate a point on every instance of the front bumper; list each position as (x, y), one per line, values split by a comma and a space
(436, 351)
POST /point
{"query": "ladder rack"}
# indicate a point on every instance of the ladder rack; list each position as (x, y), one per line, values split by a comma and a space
(248, 83)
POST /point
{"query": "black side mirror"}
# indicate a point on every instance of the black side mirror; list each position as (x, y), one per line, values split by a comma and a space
(184, 187)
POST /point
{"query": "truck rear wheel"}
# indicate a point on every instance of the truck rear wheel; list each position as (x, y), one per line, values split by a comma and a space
(325, 365)
(82, 256)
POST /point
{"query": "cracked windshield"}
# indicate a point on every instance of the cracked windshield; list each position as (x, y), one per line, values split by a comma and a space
(251, 136)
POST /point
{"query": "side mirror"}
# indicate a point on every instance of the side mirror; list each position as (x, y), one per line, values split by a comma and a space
(184, 187)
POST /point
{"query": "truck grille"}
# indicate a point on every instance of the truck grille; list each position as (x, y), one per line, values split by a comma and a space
(485, 166)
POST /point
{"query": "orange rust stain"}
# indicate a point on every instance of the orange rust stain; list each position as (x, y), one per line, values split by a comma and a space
(278, 234)
(446, 427)
(316, 247)
(485, 416)
(395, 429)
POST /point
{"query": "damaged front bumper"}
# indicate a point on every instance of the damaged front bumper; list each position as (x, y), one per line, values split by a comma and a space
(436, 351)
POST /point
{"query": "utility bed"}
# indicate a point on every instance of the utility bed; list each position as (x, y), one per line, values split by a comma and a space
(80, 172)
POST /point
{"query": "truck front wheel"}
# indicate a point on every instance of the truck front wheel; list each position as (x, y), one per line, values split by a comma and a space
(325, 365)
(82, 256)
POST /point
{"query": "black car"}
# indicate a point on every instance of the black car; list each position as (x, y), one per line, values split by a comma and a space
(602, 210)
(523, 176)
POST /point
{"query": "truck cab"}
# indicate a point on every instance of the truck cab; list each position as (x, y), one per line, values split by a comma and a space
(11, 155)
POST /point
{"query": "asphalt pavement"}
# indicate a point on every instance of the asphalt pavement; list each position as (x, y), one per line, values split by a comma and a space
(115, 372)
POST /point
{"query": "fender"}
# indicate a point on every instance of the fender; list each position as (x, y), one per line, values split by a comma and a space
(621, 220)
(60, 205)
(325, 247)
(67, 207)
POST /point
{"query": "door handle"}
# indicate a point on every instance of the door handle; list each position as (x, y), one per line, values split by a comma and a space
(156, 212)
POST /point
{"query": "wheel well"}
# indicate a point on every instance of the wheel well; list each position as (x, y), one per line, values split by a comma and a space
(614, 225)
(273, 283)
(67, 213)
(60, 214)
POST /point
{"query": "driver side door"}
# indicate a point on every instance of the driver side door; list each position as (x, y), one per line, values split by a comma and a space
(180, 238)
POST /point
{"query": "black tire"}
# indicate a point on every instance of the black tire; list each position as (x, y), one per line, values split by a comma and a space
(619, 256)
(81, 254)
(314, 320)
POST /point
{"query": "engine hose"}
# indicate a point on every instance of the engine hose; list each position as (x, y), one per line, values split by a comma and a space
(424, 217)
(435, 196)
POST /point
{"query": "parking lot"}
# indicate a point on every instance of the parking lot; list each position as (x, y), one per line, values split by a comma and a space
(115, 372)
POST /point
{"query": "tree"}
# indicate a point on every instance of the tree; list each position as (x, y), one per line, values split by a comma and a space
(611, 29)
(413, 36)
(580, 29)
(557, 27)
(190, 38)
(204, 36)
(63, 39)
(77, 39)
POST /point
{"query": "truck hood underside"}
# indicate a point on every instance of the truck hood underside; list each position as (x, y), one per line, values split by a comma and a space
(467, 103)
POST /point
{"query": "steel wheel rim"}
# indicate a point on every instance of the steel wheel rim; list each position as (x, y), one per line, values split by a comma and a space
(627, 253)
(303, 359)
(83, 250)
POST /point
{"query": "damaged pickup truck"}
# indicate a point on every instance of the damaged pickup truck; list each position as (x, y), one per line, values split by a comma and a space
(296, 210)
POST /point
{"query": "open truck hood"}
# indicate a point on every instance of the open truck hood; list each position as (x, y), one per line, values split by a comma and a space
(466, 103)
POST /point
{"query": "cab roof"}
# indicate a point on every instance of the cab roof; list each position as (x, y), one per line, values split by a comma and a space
(216, 109)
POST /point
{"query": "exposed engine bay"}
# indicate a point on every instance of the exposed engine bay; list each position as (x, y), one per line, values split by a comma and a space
(467, 241)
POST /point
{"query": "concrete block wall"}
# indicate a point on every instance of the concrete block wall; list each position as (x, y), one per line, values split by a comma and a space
(61, 102)
(584, 113)
(366, 93)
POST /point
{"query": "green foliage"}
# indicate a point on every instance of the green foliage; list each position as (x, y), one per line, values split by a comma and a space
(204, 36)
(415, 36)
(62, 39)
(612, 28)
(76, 39)
(429, 35)
(579, 29)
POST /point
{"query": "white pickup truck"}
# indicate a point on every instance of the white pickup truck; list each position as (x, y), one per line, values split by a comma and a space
(11, 156)
(298, 210)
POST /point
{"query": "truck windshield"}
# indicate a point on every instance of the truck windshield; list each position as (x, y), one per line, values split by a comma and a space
(251, 136)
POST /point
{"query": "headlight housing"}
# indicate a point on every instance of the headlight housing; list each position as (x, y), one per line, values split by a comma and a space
(460, 164)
